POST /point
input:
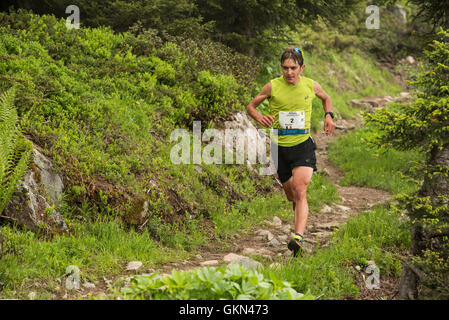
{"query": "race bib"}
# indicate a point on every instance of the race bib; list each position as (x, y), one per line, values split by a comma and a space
(292, 119)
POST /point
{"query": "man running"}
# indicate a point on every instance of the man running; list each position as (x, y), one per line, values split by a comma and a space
(290, 97)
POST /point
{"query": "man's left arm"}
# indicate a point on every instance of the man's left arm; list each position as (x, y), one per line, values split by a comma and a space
(329, 125)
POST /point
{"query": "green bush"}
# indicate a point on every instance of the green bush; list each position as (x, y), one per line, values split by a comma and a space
(102, 105)
(210, 283)
(218, 95)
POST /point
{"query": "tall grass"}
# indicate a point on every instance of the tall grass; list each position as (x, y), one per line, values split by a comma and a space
(330, 272)
(97, 249)
(365, 166)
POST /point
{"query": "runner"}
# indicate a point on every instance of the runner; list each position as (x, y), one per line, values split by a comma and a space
(290, 97)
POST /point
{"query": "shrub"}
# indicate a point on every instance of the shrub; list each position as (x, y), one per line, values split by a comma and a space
(210, 283)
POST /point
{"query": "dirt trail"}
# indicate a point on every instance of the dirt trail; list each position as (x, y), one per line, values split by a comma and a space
(319, 226)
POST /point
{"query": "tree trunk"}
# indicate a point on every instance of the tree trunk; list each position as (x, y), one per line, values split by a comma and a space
(408, 285)
(432, 187)
(249, 36)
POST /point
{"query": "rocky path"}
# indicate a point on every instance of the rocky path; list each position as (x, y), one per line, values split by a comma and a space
(270, 243)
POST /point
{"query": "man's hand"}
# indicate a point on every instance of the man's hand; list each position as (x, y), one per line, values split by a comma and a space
(265, 93)
(329, 125)
(266, 121)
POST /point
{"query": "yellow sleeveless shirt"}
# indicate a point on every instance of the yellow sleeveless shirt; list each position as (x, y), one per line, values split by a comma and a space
(288, 97)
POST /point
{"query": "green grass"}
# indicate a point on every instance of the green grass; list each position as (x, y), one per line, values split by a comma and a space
(245, 215)
(106, 130)
(97, 249)
(337, 72)
(365, 166)
(321, 192)
(330, 272)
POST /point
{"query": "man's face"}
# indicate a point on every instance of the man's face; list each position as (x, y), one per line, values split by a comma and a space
(291, 71)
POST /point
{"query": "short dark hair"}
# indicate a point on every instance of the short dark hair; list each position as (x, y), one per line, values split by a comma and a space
(293, 53)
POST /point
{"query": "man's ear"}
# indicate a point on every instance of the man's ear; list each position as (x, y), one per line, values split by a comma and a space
(302, 68)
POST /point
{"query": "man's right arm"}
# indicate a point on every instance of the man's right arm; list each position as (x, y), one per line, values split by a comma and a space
(265, 93)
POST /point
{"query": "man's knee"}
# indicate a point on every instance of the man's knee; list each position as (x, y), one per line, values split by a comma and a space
(300, 181)
(300, 192)
(289, 190)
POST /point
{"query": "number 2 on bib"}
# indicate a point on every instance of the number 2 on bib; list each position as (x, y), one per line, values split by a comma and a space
(292, 119)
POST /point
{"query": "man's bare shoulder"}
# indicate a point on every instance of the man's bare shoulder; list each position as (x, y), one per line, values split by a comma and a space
(266, 90)
(319, 92)
(317, 87)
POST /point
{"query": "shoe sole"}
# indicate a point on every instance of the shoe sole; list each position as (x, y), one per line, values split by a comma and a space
(294, 246)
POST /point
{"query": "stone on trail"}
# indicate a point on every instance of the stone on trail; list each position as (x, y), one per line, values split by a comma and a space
(209, 263)
(231, 257)
(274, 242)
(262, 251)
(88, 285)
(326, 209)
(265, 234)
(343, 208)
(247, 262)
(249, 251)
(133, 265)
(277, 221)
(283, 238)
(286, 228)
(327, 226)
(310, 240)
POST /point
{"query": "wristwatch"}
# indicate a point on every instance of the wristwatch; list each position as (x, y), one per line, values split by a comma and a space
(329, 112)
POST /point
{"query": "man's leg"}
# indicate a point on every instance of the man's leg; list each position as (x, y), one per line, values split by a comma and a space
(288, 189)
(298, 188)
(299, 183)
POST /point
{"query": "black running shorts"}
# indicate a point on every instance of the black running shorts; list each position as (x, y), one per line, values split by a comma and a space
(301, 155)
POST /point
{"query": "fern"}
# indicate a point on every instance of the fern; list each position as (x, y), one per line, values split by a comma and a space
(15, 151)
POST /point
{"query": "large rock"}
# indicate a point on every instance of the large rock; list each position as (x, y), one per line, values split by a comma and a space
(31, 205)
(48, 177)
(371, 104)
(249, 141)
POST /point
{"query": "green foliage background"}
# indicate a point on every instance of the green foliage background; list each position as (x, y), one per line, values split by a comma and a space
(102, 105)
(423, 125)
(15, 151)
